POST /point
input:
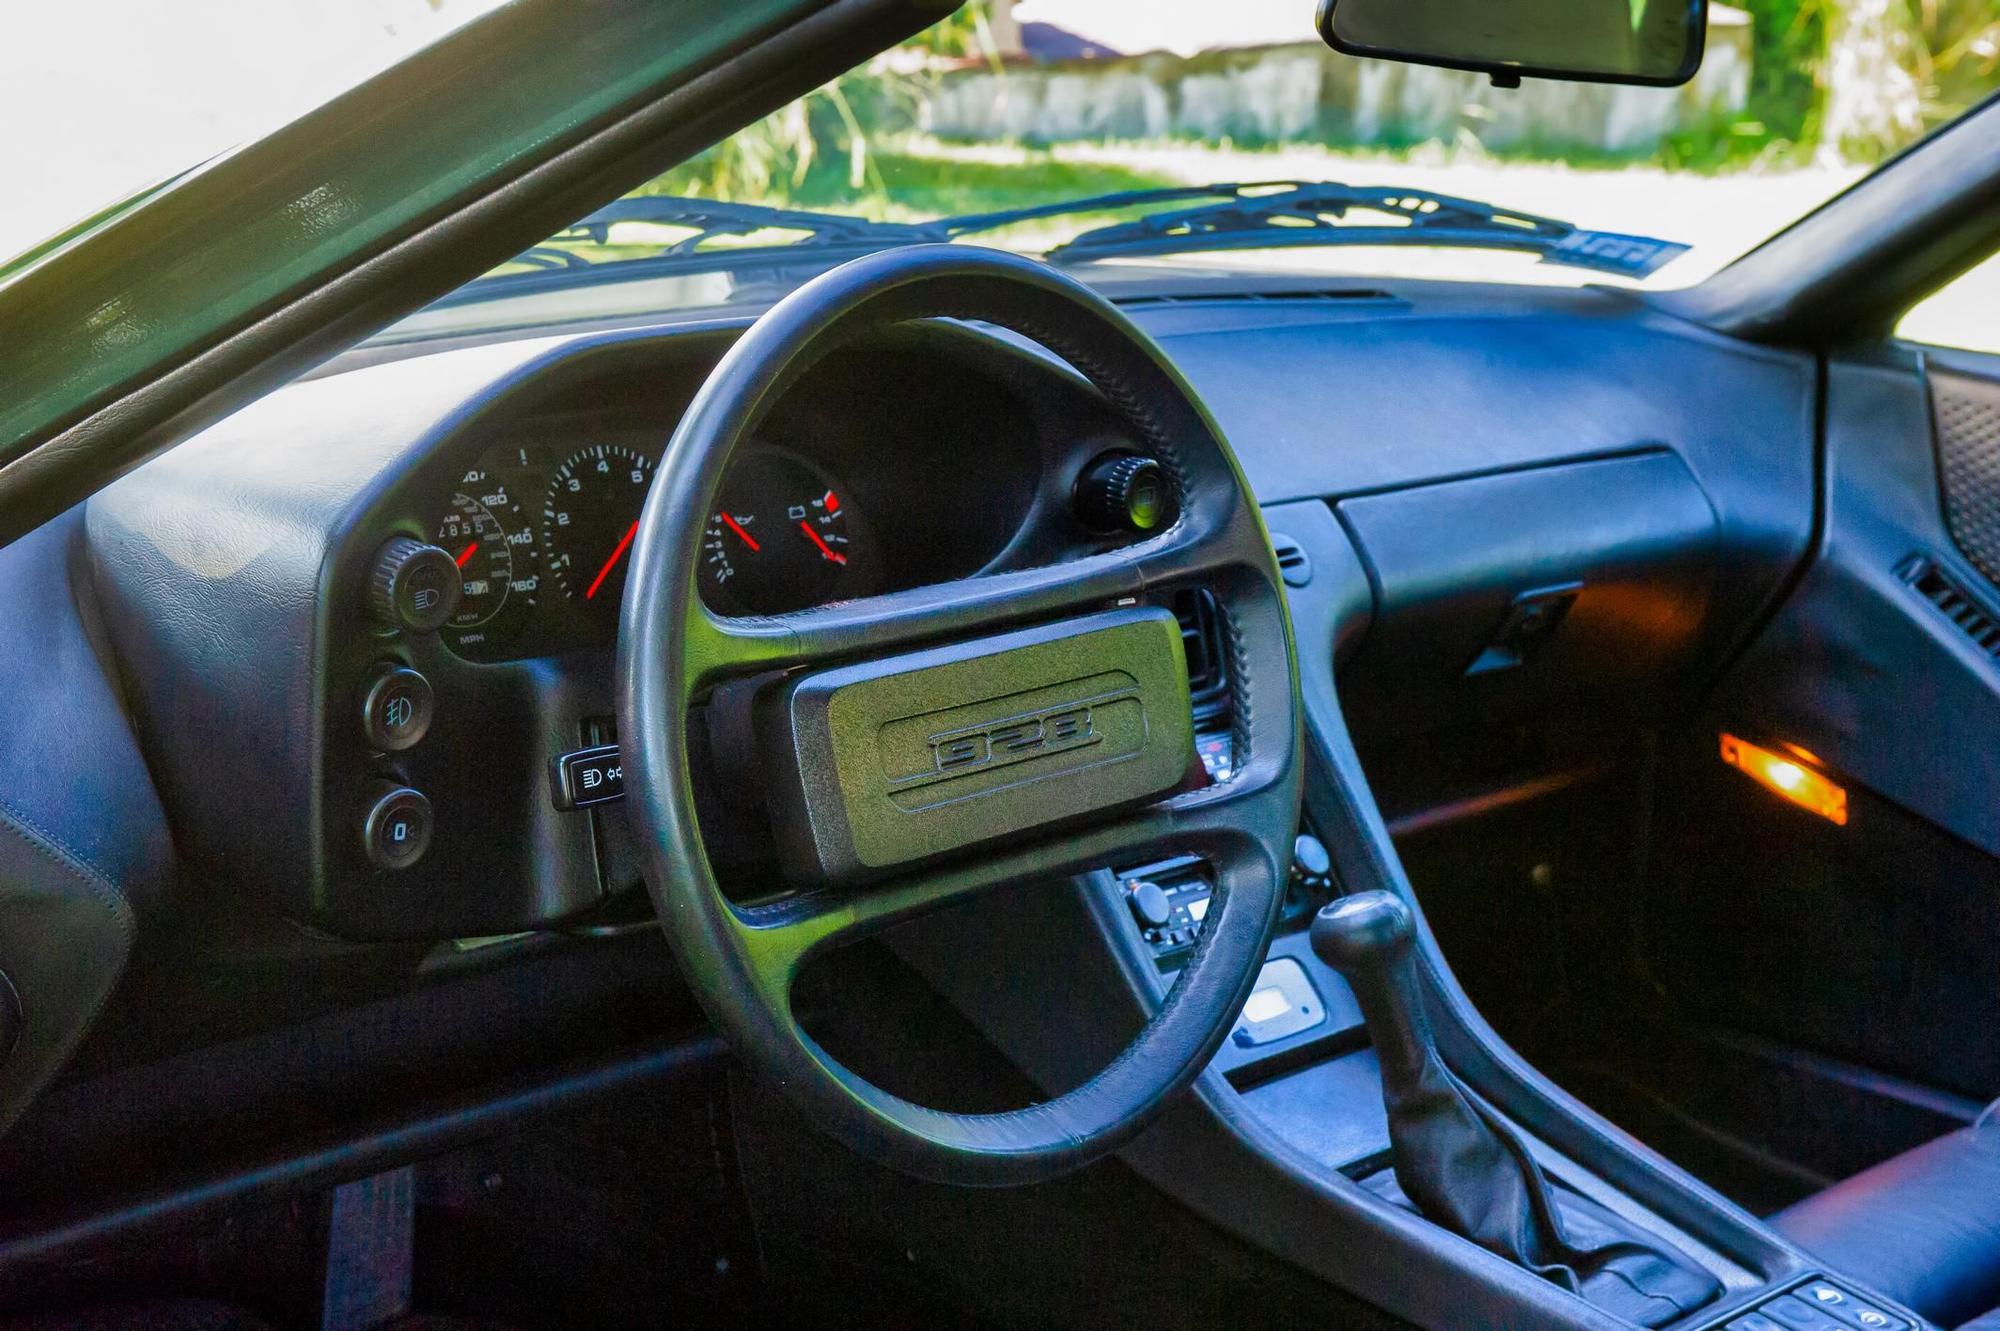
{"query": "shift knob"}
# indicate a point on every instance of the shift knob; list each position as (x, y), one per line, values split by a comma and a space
(1367, 938)
(1369, 930)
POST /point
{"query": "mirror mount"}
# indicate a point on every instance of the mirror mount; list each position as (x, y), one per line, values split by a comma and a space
(1650, 43)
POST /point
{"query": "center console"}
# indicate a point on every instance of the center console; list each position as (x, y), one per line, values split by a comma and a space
(1288, 1138)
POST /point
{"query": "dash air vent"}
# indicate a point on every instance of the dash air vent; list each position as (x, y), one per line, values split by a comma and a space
(1207, 655)
(1955, 603)
(1348, 294)
(1204, 637)
(1293, 563)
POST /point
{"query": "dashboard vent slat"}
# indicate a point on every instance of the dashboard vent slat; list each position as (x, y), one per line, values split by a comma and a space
(1201, 639)
(1957, 604)
(1294, 564)
(1250, 297)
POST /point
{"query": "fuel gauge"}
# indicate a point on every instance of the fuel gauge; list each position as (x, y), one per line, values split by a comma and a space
(780, 539)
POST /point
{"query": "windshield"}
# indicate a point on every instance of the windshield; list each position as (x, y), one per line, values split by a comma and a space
(1044, 106)
(1056, 126)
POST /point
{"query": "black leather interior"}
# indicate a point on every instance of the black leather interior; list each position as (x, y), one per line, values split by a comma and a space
(1923, 1227)
(84, 848)
(1727, 503)
(1464, 1166)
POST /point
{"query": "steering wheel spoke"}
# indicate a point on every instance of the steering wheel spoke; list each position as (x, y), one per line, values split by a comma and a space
(783, 936)
(720, 647)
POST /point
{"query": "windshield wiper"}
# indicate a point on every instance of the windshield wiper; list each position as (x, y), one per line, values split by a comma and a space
(1295, 212)
(1255, 215)
(712, 218)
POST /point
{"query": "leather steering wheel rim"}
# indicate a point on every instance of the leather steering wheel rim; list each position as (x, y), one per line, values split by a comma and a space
(741, 961)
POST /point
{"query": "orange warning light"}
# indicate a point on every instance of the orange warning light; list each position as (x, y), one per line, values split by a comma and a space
(1787, 776)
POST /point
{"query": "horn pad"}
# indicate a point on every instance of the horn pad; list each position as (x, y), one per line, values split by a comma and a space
(892, 762)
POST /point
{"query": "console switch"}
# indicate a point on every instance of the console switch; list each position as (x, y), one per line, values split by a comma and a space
(1818, 1305)
(586, 777)
(396, 710)
(396, 830)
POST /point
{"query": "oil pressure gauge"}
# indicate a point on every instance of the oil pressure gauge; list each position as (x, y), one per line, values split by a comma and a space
(782, 538)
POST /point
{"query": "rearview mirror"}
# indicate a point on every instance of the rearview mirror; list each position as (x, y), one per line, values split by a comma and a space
(1654, 42)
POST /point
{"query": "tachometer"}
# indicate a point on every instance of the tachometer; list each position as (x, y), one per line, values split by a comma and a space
(780, 540)
(589, 518)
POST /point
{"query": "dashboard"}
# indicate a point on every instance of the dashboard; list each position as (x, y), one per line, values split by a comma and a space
(844, 493)
(236, 572)
(397, 776)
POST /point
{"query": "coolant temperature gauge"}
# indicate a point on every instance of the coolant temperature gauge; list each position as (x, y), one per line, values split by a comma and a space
(780, 539)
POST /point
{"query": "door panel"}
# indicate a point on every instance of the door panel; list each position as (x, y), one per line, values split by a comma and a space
(1877, 942)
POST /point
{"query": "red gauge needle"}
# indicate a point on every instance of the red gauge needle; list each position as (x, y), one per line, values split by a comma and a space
(824, 548)
(467, 553)
(737, 527)
(611, 563)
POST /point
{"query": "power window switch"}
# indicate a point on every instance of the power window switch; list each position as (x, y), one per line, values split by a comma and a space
(1789, 1311)
(1753, 1322)
(1836, 1302)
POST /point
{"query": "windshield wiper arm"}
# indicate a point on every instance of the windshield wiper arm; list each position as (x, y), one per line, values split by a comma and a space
(1252, 215)
(710, 218)
(1295, 212)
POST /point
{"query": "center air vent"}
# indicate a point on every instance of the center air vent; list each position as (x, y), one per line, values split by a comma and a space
(1955, 603)
(1201, 637)
(1204, 639)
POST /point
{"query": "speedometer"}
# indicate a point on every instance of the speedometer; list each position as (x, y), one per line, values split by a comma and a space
(484, 531)
(589, 517)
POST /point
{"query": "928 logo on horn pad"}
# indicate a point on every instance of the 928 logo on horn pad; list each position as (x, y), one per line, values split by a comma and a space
(964, 750)
(1016, 737)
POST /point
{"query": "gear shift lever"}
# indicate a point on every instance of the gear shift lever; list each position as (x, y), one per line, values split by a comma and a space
(1466, 1168)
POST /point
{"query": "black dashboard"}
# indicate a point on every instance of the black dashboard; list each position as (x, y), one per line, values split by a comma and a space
(391, 781)
(195, 646)
(845, 493)
(234, 573)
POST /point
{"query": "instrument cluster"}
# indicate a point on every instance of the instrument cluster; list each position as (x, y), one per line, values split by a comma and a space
(542, 534)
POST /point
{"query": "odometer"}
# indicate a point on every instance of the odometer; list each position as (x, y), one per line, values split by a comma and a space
(483, 529)
(589, 517)
(477, 540)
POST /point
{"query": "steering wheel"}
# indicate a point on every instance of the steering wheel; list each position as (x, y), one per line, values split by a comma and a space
(931, 743)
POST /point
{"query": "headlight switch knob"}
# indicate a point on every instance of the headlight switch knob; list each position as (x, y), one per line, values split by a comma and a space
(414, 586)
